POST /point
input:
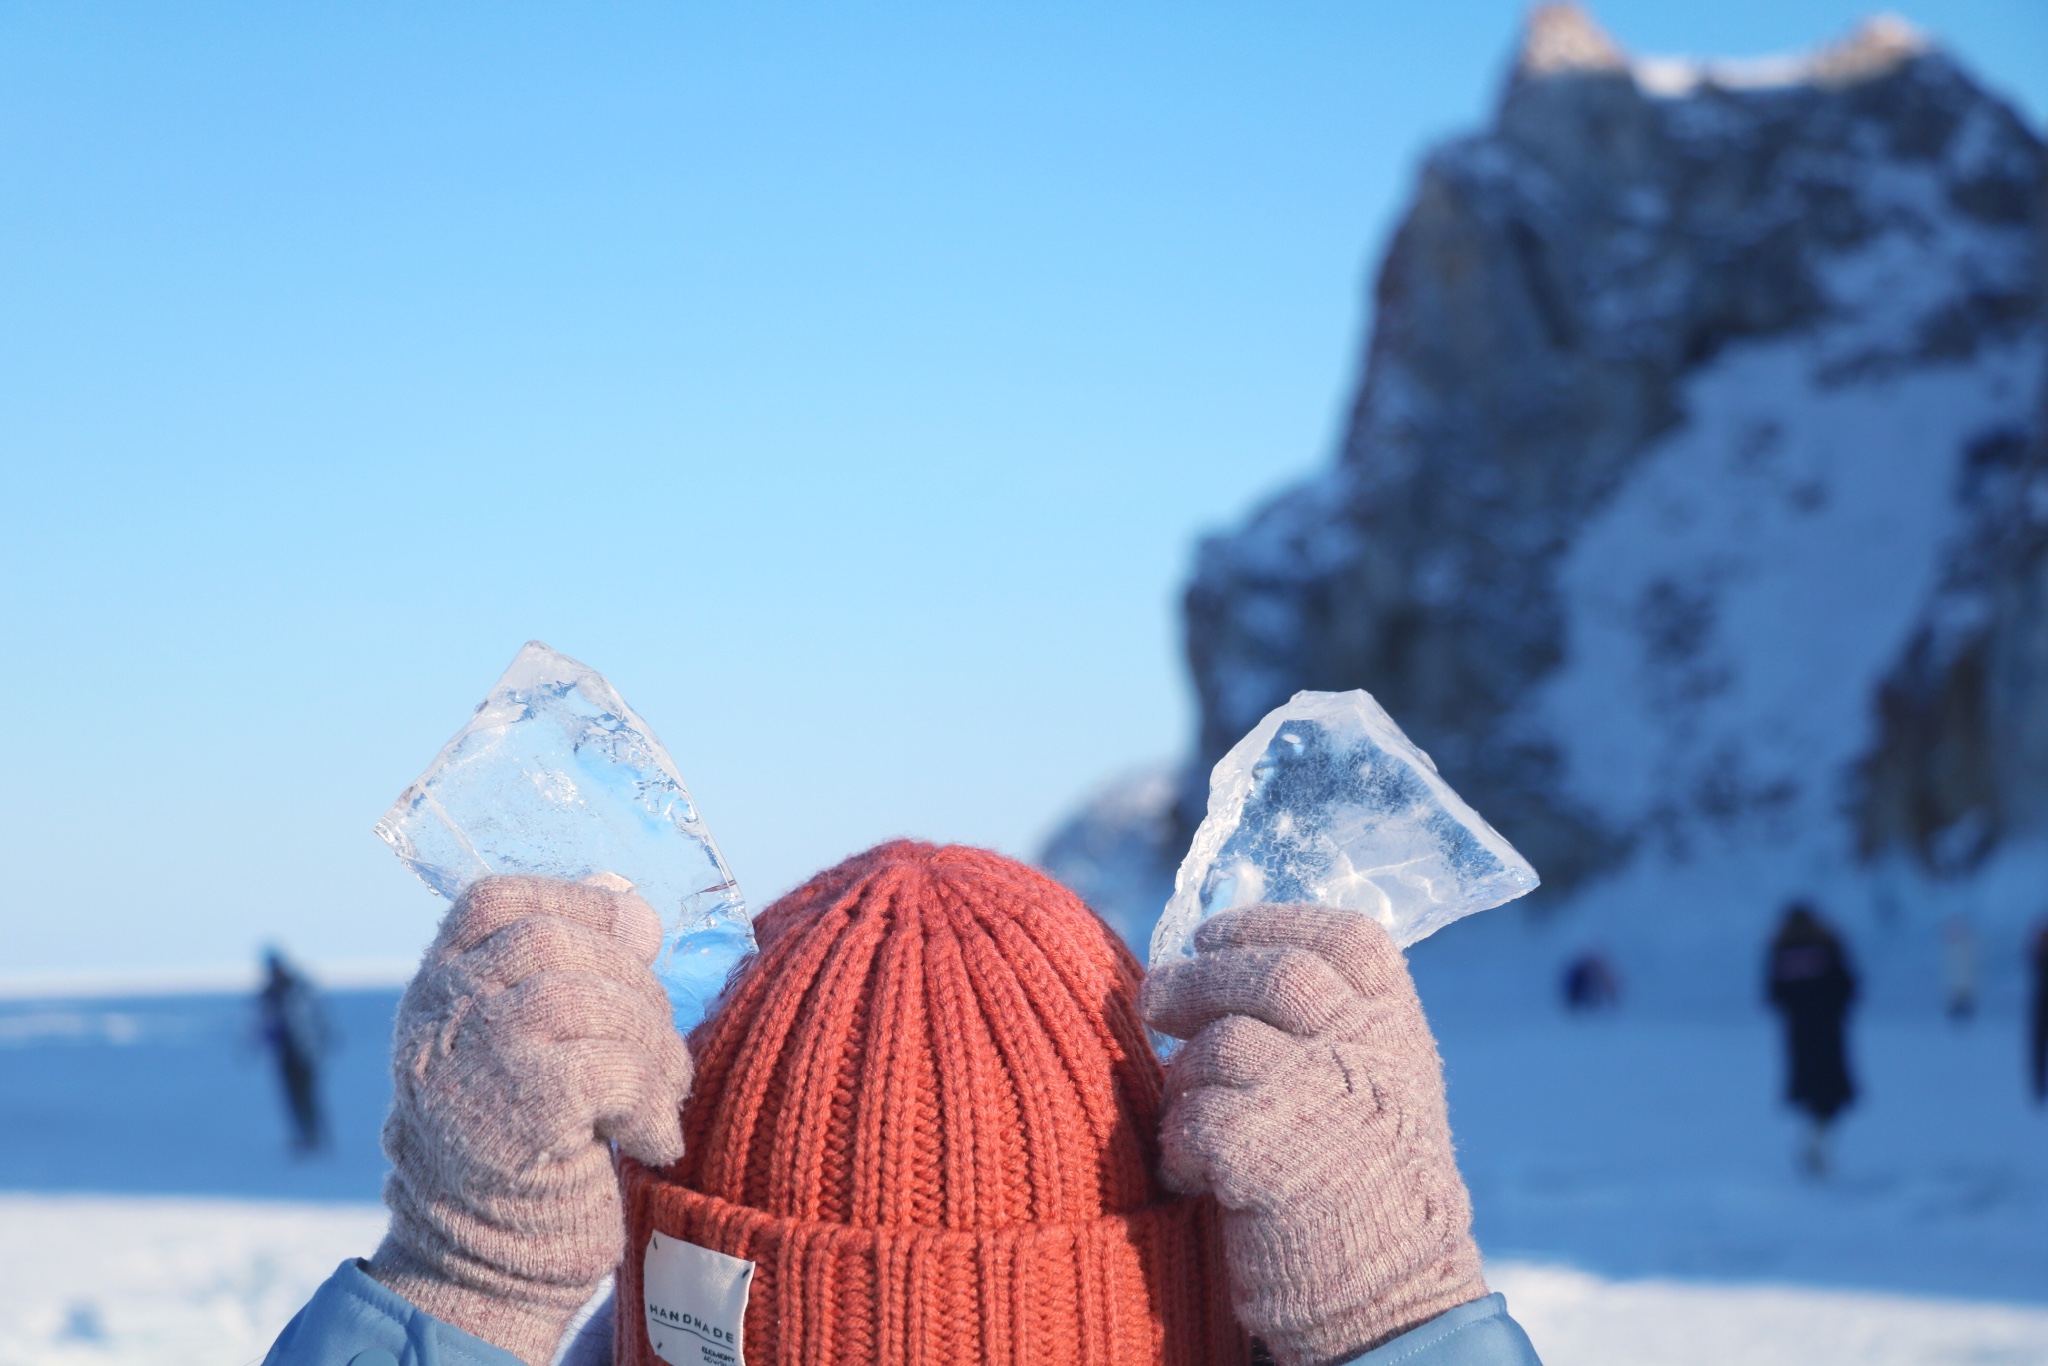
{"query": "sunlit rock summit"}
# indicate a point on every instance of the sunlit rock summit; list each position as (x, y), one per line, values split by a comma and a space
(1692, 507)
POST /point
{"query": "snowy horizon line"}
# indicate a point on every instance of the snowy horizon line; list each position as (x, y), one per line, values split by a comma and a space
(339, 974)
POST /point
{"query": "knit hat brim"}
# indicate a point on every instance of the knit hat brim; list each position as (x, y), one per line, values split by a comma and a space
(1045, 1294)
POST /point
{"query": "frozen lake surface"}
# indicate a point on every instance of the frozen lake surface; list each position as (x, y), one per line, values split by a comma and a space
(1656, 1149)
(1633, 1181)
(170, 1095)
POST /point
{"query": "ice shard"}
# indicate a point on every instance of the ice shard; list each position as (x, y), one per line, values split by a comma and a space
(1326, 801)
(556, 775)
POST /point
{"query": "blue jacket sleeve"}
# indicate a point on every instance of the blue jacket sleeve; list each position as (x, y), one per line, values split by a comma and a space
(1475, 1334)
(353, 1320)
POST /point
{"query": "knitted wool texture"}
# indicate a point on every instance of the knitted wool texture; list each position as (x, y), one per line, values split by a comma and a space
(928, 1112)
(1310, 1102)
(533, 1033)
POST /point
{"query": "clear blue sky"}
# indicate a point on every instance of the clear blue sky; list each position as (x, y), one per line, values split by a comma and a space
(848, 383)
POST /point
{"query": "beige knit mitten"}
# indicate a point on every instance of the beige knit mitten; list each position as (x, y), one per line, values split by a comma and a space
(1310, 1101)
(533, 1033)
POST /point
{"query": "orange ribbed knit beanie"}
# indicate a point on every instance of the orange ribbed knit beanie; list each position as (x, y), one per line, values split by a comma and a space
(928, 1113)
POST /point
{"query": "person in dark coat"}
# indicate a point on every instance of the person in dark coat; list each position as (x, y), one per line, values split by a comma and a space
(294, 1028)
(2038, 1041)
(1590, 984)
(1810, 983)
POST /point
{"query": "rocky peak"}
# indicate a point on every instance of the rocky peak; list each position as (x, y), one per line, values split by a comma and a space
(1661, 460)
(1564, 40)
(1879, 46)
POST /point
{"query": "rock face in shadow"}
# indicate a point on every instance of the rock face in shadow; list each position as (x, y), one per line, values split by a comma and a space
(1691, 491)
(1960, 759)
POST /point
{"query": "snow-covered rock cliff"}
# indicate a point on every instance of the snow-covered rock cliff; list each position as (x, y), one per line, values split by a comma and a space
(1691, 511)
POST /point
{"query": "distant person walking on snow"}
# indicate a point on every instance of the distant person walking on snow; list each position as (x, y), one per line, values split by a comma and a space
(2038, 1052)
(1959, 968)
(1590, 984)
(294, 1028)
(1809, 982)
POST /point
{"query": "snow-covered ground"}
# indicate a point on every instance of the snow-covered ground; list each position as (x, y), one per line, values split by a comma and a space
(1656, 1149)
(96, 1280)
(153, 1281)
(1632, 1177)
(1577, 1319)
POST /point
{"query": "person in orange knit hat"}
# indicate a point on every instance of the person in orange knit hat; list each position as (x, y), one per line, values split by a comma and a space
(924, 1125)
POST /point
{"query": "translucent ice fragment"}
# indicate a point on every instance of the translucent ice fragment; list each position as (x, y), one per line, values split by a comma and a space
(556, 775)
(1326, 801)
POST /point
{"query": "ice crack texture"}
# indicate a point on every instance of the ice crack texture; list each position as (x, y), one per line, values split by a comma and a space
(1326, 801)
(555, 775)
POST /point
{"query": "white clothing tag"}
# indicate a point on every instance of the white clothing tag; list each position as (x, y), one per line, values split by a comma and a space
(696, 1303)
